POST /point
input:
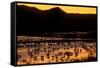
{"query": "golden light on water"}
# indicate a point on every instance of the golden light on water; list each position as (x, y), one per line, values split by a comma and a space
(53, 52)
(67, 9)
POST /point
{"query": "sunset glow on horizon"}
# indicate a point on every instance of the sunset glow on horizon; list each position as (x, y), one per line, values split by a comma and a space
(67, 9)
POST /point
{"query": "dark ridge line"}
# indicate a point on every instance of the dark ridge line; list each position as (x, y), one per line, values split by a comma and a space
(24, 6)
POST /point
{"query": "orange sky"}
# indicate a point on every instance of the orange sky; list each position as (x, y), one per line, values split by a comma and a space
(68, 9)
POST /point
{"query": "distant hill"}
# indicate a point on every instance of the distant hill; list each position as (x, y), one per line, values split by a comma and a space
(31, 20)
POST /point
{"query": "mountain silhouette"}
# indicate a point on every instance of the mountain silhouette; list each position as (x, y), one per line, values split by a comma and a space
(31, 20)
(56, 10)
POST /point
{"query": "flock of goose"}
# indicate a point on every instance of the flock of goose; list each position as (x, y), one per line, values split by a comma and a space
(55, 52)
